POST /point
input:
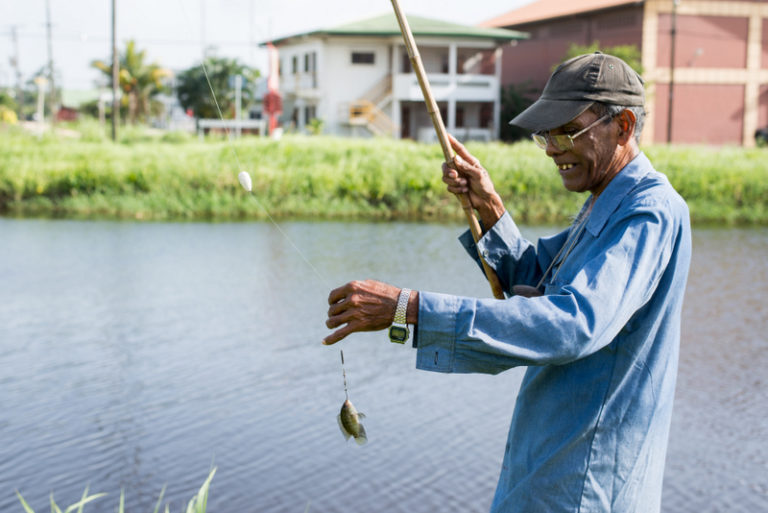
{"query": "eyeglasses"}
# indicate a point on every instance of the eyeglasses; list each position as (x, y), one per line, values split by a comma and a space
(563, 142)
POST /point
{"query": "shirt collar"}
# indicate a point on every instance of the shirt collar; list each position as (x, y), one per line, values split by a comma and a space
(616, 190)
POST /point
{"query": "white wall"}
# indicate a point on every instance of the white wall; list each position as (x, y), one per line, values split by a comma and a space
(301, 81)
(346, 81)
(339, 81)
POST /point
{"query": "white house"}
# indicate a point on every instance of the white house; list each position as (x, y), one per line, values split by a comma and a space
(357, 78)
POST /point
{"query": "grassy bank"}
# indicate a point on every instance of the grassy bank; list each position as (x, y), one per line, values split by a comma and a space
(178, 177)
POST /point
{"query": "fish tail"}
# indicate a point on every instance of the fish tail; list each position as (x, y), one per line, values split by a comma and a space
(361, 437)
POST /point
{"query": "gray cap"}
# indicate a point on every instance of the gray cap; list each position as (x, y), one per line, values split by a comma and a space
(578, 83)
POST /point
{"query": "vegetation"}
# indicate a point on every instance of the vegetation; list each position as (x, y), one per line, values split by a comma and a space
(140, 81)
(168, 177)
(628, 53)
(198, 503)
(515, 98)
(195, 84)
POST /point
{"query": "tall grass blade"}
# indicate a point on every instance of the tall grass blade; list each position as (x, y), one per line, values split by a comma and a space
(79, 505)
(24, 503)
(160, 500)
(199, 503)
(54, 507)
(82, 504)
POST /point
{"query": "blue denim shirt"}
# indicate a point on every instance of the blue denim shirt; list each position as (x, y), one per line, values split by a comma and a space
(591, 422)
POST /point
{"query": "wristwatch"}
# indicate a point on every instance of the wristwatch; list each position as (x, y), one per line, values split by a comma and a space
(399, 332)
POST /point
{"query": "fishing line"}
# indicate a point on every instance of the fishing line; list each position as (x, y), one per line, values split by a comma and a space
(344, 374)
(242, 171)
(245, 179)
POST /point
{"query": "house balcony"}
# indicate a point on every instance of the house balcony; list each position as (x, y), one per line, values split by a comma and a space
(463, 88)
(301, 85)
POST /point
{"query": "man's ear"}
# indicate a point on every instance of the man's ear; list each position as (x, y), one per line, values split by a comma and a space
(626, 120)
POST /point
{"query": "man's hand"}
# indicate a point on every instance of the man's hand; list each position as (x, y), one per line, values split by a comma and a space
(360, 306)
(467, 176)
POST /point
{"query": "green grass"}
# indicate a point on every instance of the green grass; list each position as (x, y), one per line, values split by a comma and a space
(177, 177)
(198, 503)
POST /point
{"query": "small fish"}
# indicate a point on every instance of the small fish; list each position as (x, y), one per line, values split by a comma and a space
(349, 423)
(245, 180)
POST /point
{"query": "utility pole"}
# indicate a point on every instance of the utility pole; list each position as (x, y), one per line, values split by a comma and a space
(202, 27)
(251, 42)
(53, 104)
(238, 104)
(17, 67)
(673, 37)
(115, 73)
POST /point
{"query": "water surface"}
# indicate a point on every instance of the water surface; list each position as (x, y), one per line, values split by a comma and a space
(137, 355)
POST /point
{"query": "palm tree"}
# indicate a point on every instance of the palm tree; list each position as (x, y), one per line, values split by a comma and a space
(138, 80)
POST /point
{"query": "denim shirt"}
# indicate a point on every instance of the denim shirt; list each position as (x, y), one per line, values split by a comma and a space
(591, 421)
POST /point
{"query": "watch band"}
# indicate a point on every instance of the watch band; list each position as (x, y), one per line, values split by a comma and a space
(402, 306)
(399, 332)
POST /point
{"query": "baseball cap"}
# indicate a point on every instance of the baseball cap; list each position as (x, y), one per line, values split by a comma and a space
(578, 83)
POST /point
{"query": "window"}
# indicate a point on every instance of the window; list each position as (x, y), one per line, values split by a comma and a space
(310, 61)
(294, 64)
(363, 58)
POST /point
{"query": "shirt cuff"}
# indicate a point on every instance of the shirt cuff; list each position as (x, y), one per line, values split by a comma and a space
(436, 336)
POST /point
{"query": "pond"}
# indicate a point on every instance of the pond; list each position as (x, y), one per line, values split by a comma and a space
(138, 355)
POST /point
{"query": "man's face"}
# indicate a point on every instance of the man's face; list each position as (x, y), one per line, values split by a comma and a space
(592, 162)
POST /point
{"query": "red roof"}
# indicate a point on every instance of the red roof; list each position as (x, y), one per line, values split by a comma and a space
(548, 9)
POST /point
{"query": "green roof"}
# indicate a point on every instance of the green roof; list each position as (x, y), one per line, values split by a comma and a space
(386, 25)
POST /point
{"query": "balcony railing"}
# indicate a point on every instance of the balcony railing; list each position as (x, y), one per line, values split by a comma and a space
(301, 84)
(481, 88)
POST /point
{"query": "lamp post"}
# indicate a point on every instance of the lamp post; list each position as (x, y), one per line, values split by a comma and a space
(671, 99)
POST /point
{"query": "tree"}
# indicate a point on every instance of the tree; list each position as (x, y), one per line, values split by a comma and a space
(139, 81)
(628, 53)
(194, 90)
(515, 98)
(8, 108)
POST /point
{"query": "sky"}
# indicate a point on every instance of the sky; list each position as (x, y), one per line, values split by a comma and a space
(173, 35)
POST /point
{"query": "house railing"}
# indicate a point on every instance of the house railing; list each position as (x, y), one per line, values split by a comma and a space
(484, 88)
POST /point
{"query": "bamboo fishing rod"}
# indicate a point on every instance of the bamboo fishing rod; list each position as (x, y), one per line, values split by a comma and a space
(442, 136)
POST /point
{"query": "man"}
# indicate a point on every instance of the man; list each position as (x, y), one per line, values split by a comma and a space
(594, 311)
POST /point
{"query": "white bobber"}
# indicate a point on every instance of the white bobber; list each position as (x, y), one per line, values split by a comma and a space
(245, 180)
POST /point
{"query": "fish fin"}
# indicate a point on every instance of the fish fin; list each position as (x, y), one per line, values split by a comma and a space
(362, 437)
(341, 426)
(360, 415)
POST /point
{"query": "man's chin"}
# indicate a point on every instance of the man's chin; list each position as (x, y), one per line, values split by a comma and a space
(572, 187)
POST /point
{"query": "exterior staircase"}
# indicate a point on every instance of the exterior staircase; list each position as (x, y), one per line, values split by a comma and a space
(367, 111)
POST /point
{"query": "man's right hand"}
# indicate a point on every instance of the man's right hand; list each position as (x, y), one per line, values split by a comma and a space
(465, 175)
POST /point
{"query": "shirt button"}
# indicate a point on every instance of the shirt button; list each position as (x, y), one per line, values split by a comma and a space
(486, 253)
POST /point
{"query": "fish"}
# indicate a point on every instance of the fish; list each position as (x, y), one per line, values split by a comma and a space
(349, 423)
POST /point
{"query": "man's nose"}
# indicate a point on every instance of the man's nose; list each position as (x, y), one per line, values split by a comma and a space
(551, 148)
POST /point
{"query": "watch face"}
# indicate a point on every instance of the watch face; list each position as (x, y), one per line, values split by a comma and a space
(398, 333)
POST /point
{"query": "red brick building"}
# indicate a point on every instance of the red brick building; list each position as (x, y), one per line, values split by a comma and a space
(719, 77)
